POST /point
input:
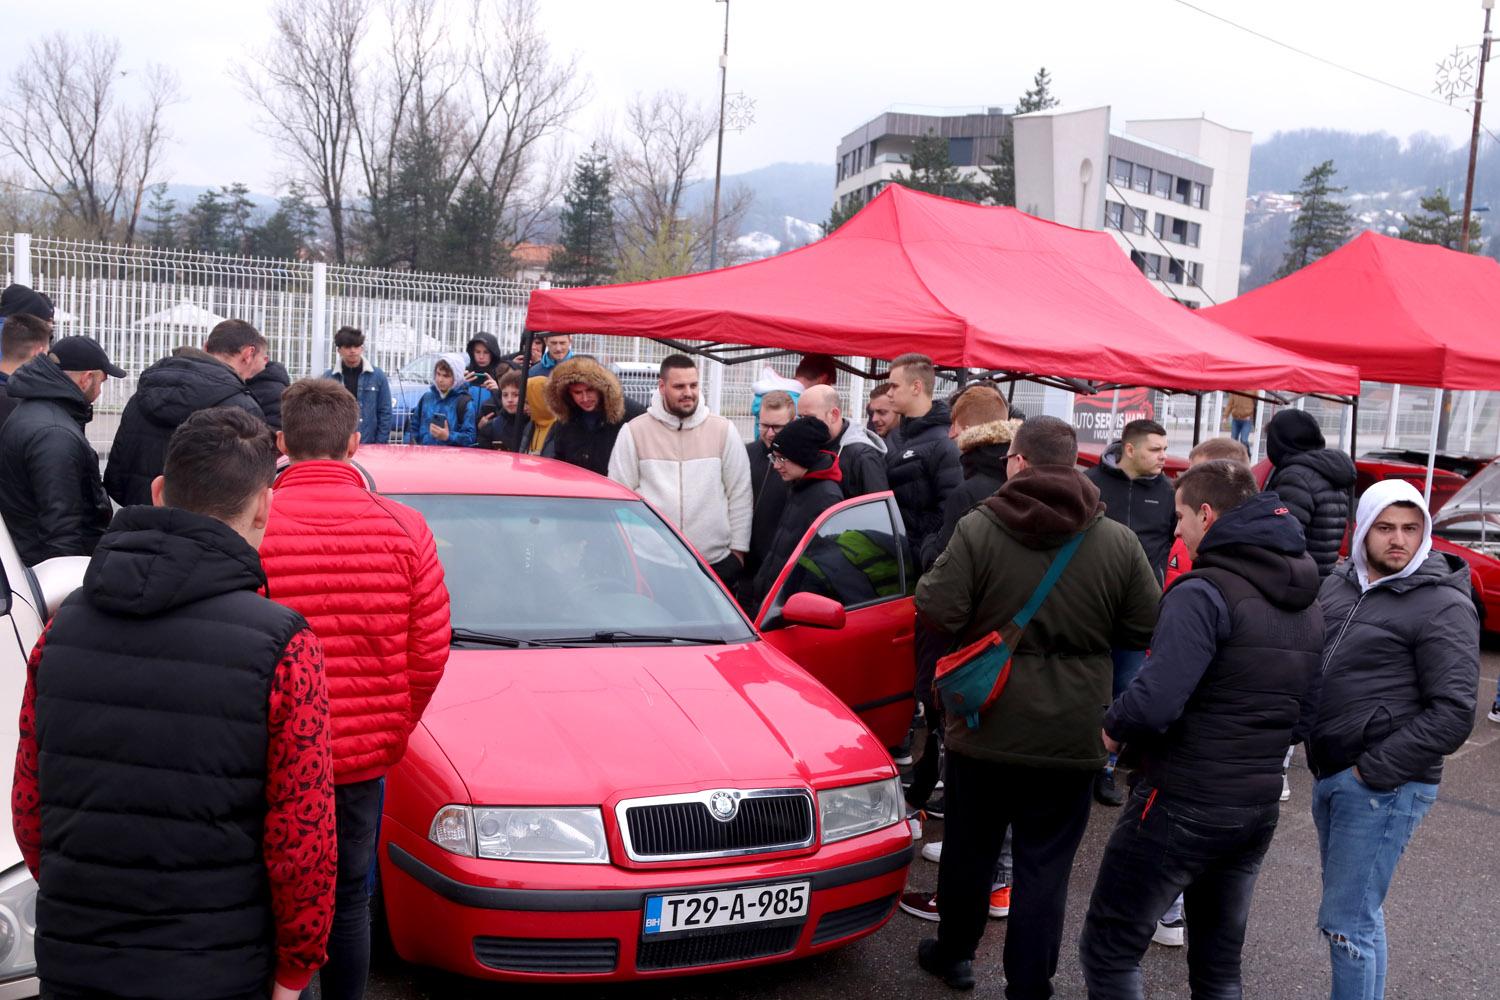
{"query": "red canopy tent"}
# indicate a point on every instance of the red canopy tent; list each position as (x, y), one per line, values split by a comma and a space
(970, 286)
(1403, 312)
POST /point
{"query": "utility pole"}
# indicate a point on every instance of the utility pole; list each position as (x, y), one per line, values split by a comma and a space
(1484, 58)
(713, 245)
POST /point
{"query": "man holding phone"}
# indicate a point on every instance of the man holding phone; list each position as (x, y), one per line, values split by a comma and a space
(446, 414)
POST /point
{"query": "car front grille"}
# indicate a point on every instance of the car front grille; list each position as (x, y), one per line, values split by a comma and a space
(686, 828)
(852, 920)
(717, 947)
(548, 955)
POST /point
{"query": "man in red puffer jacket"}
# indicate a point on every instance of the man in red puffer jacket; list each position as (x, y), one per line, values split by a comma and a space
(385, 641)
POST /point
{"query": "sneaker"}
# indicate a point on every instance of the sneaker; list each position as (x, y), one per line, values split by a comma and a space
(914, 819)
(958, 975)
(933, 852)
(1494, 715)
(1169, 933)
(1000, 902)
(901, 753)
(934, 807)
(922, 905)
(1106, 792)
(1286, 788)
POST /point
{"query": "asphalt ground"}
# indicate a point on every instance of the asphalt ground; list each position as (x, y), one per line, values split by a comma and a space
(1442, 916)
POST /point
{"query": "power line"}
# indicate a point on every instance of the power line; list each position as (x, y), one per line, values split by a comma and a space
(1183, 264)
(1314, 56)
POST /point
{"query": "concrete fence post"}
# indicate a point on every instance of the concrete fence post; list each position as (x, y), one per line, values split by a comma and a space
(21, 260)
(319, 318)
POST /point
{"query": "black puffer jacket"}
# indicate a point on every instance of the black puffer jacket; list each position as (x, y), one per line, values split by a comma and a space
(1400, 673)
(267, 388)
(922, 465)
(1146, 505)
(50, 494)
(983, 451)
(167, 393)
(806, 498)
(1316, 483)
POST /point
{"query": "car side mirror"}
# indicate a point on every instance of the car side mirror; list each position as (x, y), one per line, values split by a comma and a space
(58, 578)
(813, 610)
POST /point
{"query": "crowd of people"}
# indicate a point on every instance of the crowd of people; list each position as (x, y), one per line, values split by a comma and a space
(1187, 633)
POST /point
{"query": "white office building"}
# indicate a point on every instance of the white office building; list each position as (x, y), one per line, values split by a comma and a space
(1170, 191)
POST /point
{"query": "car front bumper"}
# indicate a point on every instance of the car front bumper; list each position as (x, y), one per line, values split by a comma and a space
(506, 931)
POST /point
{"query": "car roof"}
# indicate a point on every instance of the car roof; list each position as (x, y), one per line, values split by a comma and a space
(417, 469)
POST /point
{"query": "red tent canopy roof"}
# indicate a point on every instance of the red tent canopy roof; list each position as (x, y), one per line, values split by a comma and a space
(1404, 312)
(970, 286)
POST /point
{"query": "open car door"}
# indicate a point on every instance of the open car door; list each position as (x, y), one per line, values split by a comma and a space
(856, 555)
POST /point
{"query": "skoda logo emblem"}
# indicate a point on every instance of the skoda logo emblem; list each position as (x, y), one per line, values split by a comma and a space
(723, 806)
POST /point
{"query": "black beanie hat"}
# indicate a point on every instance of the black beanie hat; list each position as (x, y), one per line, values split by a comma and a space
(803, 441)
(18, 300)
(1292, 432)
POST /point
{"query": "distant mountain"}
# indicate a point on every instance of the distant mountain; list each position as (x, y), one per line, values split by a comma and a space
(1385, 178)
(789, 201)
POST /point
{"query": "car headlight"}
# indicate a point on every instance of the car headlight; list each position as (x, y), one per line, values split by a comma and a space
(17, 923)
(849, 812)
(573, 835)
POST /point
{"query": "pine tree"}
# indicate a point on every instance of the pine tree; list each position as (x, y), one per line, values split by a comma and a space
(205, 224)
(1440, 223)
(1000, 188)
(932, 170)
(469, 238)
(841, 214)
(588, 224)
(287, 231)
(162, 222)
(238, 210)
(1322, 223)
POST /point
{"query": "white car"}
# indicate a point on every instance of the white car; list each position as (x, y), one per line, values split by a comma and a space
(27, 599)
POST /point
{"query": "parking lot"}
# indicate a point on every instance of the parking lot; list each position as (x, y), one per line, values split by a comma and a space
(1440, 917)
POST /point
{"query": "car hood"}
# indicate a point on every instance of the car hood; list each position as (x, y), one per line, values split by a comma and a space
(586, 726)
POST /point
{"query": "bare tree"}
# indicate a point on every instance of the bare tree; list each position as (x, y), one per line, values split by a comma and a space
(660, 234)
(87, 150)
(305, 86)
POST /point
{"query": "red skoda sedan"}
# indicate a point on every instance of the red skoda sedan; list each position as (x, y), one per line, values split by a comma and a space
(620, 777)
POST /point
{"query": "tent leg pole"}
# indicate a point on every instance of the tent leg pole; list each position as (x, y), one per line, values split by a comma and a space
(527, 337)
(1197, 418)
(1354, 427)
(1010, 396)
(1432, 443)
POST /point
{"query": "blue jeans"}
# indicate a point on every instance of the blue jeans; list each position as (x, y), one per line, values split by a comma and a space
(1361, 834)
(1240, 430)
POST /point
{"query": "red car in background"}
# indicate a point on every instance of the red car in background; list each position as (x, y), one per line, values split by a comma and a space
(620, 777)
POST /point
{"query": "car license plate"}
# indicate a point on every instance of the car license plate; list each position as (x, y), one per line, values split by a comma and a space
(691, 911)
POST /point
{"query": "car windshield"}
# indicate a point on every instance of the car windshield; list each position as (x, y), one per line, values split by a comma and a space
(1484, 487)
(551, 568)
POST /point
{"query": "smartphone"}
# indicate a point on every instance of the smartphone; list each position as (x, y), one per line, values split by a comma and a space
(439, 420)
(473, 376)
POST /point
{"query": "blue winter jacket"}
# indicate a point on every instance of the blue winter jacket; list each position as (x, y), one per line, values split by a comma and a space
(460, 409)
(374, 403)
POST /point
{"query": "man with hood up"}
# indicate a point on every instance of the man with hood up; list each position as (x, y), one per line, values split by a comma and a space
(174, 389)
(1210, 714)
(590, 408)
(1314, 480)
(1398, 689)
(482, 373)
(803, 457)
(1030, 763)
(50, 493)
(861, 454)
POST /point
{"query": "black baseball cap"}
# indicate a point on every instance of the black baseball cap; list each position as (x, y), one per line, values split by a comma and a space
(18, 300)
(83, 354)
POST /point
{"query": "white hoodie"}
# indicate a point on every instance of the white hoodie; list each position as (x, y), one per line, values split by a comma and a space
(1376, 499)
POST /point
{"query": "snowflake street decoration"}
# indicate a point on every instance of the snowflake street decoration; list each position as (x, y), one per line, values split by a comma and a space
(1455, 75)
(739, 112)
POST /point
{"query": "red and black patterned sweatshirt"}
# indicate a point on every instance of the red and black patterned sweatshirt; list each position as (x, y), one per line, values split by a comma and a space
(299, 843)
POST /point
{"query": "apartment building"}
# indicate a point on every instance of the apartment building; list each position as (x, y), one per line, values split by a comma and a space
(879, 149)
(1170, 191)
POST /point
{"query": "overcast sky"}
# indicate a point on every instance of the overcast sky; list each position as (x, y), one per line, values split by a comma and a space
(818, 68)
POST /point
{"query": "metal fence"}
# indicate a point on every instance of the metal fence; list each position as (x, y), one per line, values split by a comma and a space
(140, 303)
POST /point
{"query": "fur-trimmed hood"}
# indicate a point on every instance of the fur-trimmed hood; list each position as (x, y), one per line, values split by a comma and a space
(591, 373)
(994, 432)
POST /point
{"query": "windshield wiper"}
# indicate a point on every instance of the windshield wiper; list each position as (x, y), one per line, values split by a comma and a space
(489, 639)
(605, 636)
